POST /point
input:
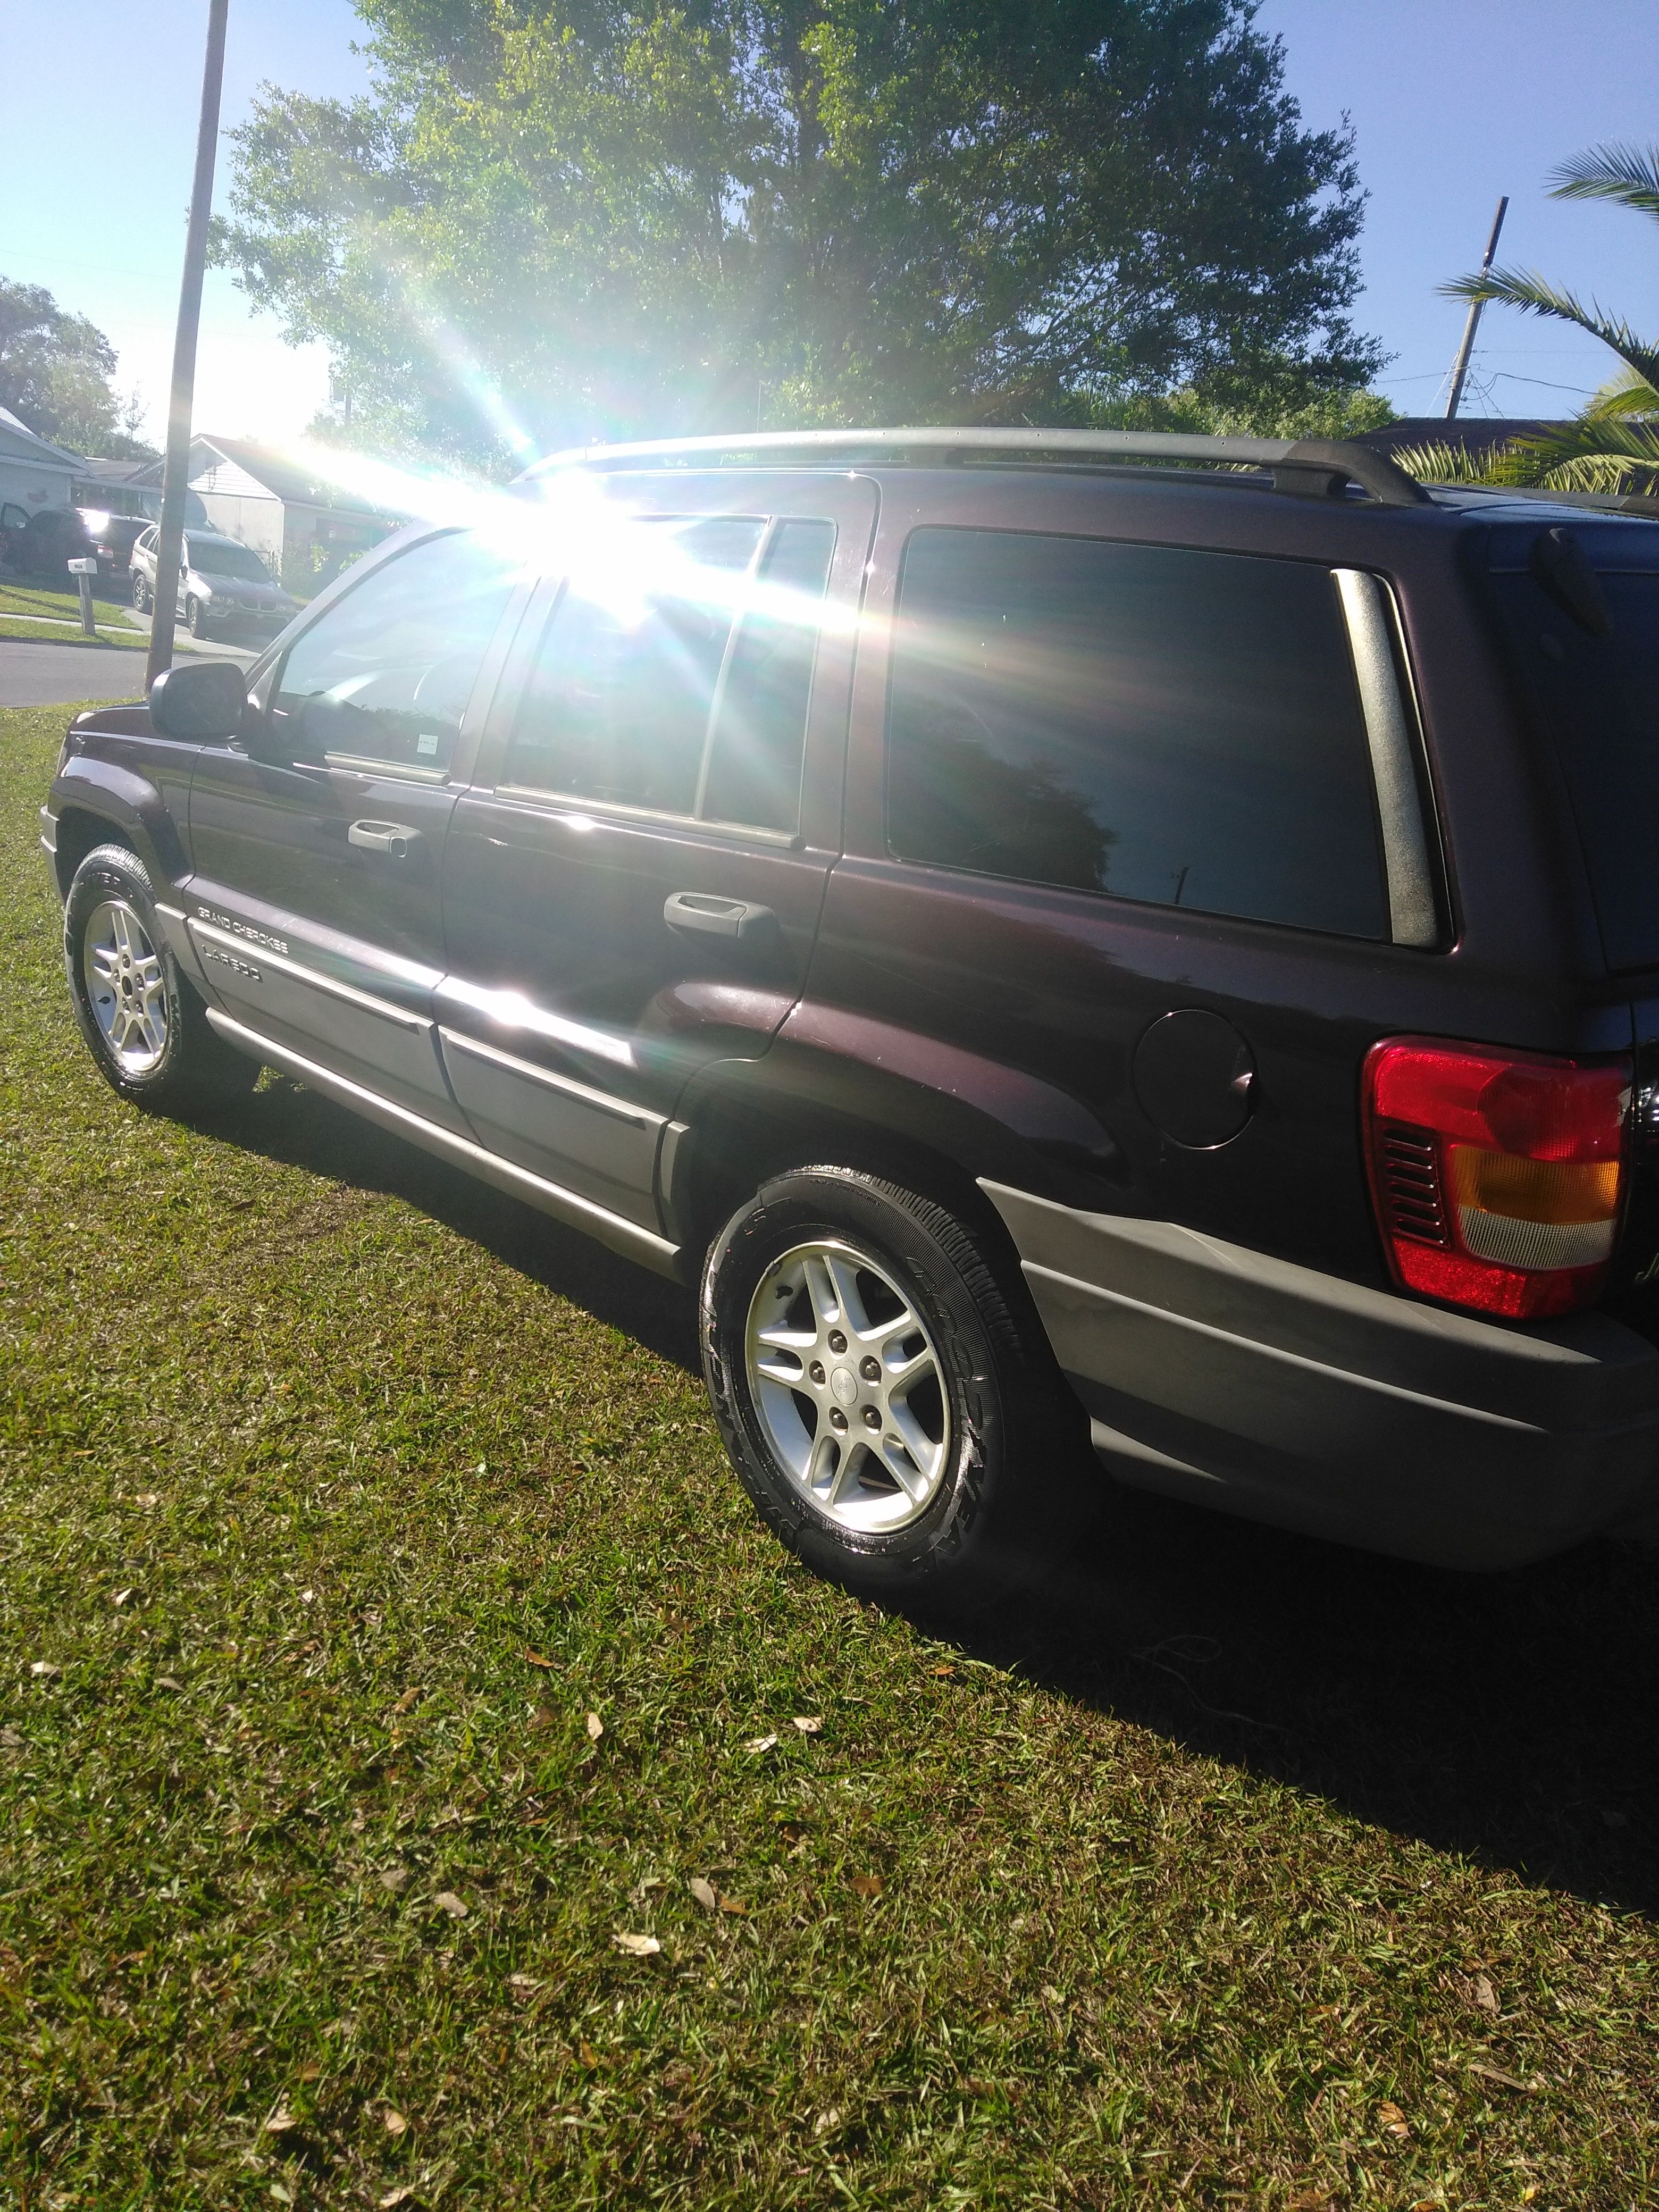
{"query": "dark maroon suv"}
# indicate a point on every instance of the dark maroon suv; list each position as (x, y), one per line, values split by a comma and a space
(1059, 935)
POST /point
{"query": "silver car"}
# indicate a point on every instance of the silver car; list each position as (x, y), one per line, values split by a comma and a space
(222, 585)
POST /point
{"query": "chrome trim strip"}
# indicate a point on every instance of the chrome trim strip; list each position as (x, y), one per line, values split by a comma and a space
(613, 810)
(566, 1206)
(1368, 611)
(601, 1101)
(247, 948)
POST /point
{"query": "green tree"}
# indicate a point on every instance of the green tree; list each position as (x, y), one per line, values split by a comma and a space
(561, 219)
(57, 373)
(1613, 444)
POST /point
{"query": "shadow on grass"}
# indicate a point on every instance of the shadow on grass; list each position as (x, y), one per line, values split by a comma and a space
(1509, 1718)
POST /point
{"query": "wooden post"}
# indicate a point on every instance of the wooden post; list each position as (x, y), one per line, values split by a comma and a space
(175, 478)
(84, 572)
(1460, 367)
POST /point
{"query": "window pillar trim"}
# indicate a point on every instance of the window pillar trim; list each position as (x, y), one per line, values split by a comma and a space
(1374, 640)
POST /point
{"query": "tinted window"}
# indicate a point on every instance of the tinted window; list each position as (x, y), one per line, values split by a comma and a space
(753, 772)
(642, 696)
(211, 559)
(1600, 698)
(1175, 726)
(386, 674)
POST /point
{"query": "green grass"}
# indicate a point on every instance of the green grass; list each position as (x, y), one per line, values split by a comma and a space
(38, 600)
(1211, 1868)
(49, 632)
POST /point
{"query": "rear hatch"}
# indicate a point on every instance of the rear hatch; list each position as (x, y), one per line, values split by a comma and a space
(1580, 599)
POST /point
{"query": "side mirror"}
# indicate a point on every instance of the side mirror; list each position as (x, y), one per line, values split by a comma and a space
(198, 700)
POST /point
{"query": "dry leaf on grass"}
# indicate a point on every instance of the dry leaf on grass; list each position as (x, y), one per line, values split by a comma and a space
(44, 1669)
(11, 1741)
(733, 1904)
(167, 1682)
(524, 1982)
(595, 1726)
(393, 2121)
(1485, 1996)
(1311, 2200)
(1496, 2074)
(447, 1901)
(280, 2122)
(1393, 2121)
(409, 1697)
(537, 1659)
(637, 1947)
(867, 1884)
(120, 1596)
(810, 1723)
(761, 1743)
(400, 2196)
(705, 1893)
(543, 1717)
(394, 1879)
(147, 1498)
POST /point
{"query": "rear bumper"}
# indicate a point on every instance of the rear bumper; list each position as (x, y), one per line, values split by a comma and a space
(1213, 1373)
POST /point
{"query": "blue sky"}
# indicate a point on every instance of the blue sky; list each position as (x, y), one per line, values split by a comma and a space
(1455, 101)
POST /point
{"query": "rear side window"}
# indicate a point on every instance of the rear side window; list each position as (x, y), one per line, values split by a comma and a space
(1179, 727)
(384, 675)
(1600, 697)
(678, 682)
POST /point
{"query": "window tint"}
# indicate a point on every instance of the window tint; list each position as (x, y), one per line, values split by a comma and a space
(1600, 696)
(642, 696)
(386, 674)
(210, 558)
(753, 769)
(1176, 727)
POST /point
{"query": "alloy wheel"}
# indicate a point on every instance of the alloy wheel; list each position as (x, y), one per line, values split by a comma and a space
(848, 1386)
(125, 986)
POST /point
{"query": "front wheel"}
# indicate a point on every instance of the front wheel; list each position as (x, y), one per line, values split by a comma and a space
(143, 1025)
(890, 1406)
(141, 594)
(196, 616)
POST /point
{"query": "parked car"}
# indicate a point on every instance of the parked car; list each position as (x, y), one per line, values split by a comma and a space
(53, 536)
(1052, 947)
(111, 537)
(223, 585)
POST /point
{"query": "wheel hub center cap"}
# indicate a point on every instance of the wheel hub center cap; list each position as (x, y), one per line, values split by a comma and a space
(844, 1385)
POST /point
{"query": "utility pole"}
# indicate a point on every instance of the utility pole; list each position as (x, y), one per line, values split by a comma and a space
(176, 475)
(1459, 372)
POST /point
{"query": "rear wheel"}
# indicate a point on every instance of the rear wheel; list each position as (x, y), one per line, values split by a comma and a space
(143, 1023)
(893, 1411)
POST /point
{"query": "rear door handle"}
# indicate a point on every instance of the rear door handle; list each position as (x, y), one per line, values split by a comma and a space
(700, 914)
(395, 838)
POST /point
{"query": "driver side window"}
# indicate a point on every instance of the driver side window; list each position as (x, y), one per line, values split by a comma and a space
(384, 676)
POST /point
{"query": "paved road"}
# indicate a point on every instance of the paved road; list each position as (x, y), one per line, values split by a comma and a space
(46, 675)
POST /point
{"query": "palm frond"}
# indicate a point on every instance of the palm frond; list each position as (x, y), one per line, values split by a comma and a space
(1623, 398)
(1536, 295)
(1597, 452)
(1626, 174)
(1439, 461)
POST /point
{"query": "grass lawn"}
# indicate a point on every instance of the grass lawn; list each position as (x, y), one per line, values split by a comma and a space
(71, 634)
(382, 1636)
(17, 598)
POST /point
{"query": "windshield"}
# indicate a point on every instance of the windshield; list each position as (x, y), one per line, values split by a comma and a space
(228, 561)
(1600, 697)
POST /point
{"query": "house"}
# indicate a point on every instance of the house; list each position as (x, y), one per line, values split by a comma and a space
(33, 472)
(304, 530)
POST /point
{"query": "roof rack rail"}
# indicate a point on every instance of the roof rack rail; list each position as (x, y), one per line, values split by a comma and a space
(1314, 468)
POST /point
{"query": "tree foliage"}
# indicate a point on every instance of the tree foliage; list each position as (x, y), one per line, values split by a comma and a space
(1613, 446)
(57, 373)
(560, 219)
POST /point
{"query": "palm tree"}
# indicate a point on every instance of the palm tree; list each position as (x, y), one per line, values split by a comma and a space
(1613, 446)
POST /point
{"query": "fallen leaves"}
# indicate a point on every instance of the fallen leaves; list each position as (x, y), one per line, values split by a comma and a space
(119, 1597)
(1485, 1996)
(595, 1728)
(1393, 2122)
(44, 1671)
(1504, 2080)
(543, 1717)
(401, 2194)
(11, 1741)
(447, 1901)
(280, 2122)
(637, 1947)
(761, 1743)
(168, 1682)
(394, 2122)
(867, 1884)
(705, 1893)
(535, 1659)
(394, 1879)
(810, 1723)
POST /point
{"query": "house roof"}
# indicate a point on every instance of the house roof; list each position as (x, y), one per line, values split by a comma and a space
(94, 470)
(274, 473)
(19, 438)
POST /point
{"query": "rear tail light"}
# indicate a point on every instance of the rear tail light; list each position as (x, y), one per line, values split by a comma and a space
(1497, 1177)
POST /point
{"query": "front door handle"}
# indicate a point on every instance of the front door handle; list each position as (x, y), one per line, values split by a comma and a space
(700, 914)
(395, 839)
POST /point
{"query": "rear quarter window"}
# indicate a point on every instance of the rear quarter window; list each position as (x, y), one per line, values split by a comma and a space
(1599, 699)
(1145, 722)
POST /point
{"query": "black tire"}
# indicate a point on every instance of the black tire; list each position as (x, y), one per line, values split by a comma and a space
(191, 1069)
(1009, 1450)
(196, 618)
(140, 593)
